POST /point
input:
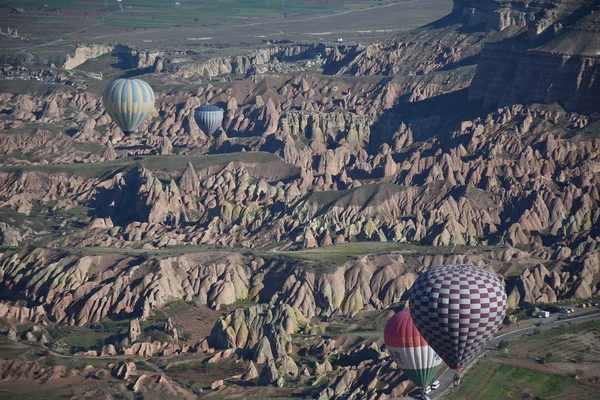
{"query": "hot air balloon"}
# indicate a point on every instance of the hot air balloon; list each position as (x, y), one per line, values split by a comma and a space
(410, 350)
(128, 102)
(457, 309)
(208, 118)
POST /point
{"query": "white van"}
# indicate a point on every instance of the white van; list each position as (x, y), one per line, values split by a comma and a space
(435, 385)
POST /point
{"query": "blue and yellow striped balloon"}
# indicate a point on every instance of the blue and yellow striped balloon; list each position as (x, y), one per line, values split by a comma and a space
(128, 102)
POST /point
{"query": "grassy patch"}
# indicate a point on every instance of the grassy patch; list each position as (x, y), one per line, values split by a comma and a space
(172, 165)
(567, 343)
(343, 252)
(176, 307)
(77, 363)
(241, 303)
(69, 392)
(37, 394)
(11, 352)
(509, 382)
(171, 251)
(141, 365)
(201, 12)
(93, 148)
(201, 374)
(83, 338)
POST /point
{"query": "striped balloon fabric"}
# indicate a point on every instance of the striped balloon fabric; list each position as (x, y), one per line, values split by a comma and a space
(129, 102)
(410, 350)
(457, 309)
(209, 118)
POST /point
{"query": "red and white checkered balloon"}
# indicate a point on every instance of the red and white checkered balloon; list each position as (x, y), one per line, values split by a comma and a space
(457, 309)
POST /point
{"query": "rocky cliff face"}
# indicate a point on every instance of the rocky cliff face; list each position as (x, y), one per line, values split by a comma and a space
(81, 290)
(558, 65)
(420, 53)
(71, 293)
(538, 77)
(129, 286)
(452, 41)
(269, 59)
(251, 110)
(439, 193)
(286, 239)
(85, 52)
(515, 14)
(195, 65)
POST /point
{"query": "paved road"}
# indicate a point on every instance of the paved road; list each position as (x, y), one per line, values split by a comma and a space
(548, 323)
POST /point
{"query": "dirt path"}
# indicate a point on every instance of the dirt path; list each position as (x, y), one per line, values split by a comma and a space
(483, 383)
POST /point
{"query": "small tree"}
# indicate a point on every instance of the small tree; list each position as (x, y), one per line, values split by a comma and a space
(185, 336)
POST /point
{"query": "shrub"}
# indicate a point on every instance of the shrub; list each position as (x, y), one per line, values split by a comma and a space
(503, 345)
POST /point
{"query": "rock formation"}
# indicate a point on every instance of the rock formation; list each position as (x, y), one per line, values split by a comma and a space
(84, 53)
(555, 62)
(270, 247)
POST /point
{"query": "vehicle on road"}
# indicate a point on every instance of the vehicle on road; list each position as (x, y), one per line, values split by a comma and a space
(542, 314)
(435, 384)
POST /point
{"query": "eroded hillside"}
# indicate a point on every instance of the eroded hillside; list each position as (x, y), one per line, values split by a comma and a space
(267, 257)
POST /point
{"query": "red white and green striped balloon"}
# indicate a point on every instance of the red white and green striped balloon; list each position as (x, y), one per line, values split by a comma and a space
(410, 350)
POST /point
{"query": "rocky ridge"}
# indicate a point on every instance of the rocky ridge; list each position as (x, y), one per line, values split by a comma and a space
(272, 246)
(555, 62)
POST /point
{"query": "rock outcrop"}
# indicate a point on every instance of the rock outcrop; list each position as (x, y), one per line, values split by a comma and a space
(556, 62)
(85, 52)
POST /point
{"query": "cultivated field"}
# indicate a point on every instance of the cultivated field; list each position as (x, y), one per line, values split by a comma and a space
(153, 23)
(560, 363)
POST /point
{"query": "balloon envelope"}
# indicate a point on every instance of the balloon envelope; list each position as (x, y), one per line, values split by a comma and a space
(129, 102)
(410, 349)
(457, 309)
(209, 118)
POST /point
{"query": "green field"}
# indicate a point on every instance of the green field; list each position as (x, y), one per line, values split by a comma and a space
(532, 367)
(573, 343)
(343, 252)
(509, 382)
(157, 14)
(206, 12)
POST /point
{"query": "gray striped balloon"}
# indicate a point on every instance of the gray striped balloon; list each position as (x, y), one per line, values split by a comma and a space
(208, 118)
